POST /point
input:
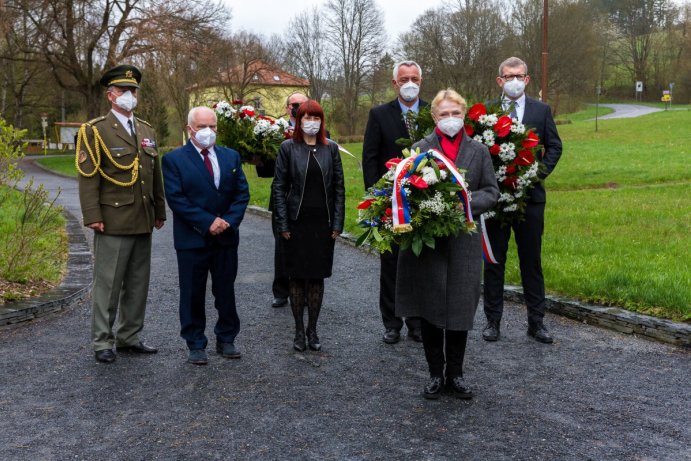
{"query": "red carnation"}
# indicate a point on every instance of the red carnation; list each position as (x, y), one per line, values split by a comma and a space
(510, 181)
(388, 211)
(531, 140)
(418, 182)
(364, 204)
(525, 157)
(511, 169)
(440, 164)
(503, 126)
(469, 130)
(249, 113)
(476, 111)
(495, 149)
(238, 102)
(215, 105)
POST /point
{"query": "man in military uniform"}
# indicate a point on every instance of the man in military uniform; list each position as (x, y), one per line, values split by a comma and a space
(122, 200)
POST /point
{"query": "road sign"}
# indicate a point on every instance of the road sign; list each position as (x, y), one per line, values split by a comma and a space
(639, 87)
(666, 98)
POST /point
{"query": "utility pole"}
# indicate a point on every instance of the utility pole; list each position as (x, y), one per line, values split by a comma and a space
(543, 90)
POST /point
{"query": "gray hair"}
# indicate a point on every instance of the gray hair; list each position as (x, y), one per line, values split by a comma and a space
(512, 62)
(193, 112)
(405, 63)
(296, 93)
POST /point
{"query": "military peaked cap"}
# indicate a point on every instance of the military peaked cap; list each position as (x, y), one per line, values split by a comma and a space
(123, 75)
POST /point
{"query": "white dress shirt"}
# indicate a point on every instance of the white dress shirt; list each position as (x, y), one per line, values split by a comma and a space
(214, 163)
(519, 104)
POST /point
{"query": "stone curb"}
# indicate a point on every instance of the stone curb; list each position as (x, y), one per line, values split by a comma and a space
(613, 318)
(74, 288)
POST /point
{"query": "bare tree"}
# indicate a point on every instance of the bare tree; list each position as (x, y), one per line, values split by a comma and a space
(355, 28)
(81, 38)
(307, 50)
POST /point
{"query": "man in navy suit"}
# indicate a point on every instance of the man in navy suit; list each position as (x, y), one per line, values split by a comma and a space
(385, 125)
(207, 191)
(513, 78)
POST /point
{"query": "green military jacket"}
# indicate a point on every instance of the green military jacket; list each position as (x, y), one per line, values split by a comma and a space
(108, 192)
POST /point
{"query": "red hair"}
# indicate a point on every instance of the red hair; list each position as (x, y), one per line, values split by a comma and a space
(310, 107)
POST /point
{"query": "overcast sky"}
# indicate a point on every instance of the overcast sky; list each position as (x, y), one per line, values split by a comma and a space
(269, 17)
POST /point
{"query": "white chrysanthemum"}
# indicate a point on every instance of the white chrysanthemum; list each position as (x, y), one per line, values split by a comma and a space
(429, 176)
(504, 197)
(389, 175)
(443, 174)
(488, 120)
(517, 127)
(489, 214)
(478, 138)
(282, 123)
(262, 126)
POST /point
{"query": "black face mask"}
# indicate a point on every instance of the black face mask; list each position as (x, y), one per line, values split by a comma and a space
(294, 109)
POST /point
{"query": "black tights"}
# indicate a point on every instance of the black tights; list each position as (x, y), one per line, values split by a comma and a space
(310, 292)
(443, 347)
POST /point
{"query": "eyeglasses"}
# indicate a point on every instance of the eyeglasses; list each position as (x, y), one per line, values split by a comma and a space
(520, 77)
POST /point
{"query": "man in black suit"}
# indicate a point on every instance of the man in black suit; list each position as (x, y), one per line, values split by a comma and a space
(385, 125)
(513, 78)
(280, 283)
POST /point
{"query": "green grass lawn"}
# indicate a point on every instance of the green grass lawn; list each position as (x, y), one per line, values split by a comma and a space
(618, 217)
(63, 164)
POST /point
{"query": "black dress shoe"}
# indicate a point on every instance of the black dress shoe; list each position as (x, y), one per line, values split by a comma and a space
(299, 341)
(139, 348)
(105, 356)
(491, 331)
(228, 350)
(415, 334)
(432, 390)
(313, 340)
(540, 333)
(459, 389)
(391, 336)
(279, 302)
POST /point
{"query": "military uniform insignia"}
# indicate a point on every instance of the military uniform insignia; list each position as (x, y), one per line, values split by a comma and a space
(146, 142)
(129, 74)
(82, 157)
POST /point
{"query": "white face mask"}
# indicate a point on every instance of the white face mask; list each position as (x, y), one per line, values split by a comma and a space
(514, 88)
(206, 137)
(310, 127)
(409, 91)
(126, 101)
(450, 126)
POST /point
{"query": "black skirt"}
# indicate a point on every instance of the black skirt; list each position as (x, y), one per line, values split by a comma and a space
(310, 250)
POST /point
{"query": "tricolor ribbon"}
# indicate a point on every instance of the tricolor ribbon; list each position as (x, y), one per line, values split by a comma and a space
(399, 199)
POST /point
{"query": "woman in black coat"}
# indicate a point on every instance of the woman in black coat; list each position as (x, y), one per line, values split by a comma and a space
(309, 207)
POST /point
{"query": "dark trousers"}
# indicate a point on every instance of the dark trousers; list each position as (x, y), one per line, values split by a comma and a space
(528, 235)
(387, 293)
(444, 346)
(280, 286)
(193, 268)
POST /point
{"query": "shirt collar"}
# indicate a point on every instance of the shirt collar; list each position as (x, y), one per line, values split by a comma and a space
(123, 119)
(415, 107)
(199, 149)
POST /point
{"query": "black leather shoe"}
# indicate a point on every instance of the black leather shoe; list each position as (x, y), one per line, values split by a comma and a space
(415, 334)
(228, 350)
(491, 331)
(139, 348)
(432, 390)
(105, 356)
(540, 333)
(459, 389)
(299, 341)
(391, 336)
(279, 302)
(313, 340)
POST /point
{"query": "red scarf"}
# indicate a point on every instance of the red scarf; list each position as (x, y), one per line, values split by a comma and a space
(450, 147)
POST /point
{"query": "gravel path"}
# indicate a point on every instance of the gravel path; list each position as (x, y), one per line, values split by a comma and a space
(594, 394)
(628, 110)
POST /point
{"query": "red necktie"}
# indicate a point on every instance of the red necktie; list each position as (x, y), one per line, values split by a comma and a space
(207, 162)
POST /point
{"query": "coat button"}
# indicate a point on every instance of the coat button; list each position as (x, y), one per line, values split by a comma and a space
(116, 204)
(142, 182)
(144, 196)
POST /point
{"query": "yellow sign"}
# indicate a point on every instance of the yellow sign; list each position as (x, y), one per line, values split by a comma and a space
(666, 98)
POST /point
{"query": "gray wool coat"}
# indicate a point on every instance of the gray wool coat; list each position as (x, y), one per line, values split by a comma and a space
(442, 285)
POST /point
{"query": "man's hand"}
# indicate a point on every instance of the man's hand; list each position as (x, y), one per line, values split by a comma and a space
(335, 234)
(219, 225)
(285, 235)
(159, 223)
(97, 226)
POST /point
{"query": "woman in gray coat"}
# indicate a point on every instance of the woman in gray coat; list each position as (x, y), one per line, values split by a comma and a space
(442, 285)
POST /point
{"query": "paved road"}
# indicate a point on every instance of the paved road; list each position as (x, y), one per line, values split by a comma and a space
(628, 110)
(594, 394)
